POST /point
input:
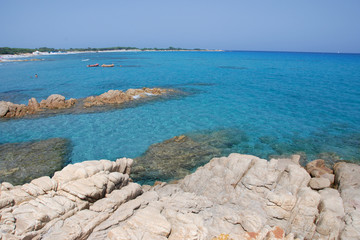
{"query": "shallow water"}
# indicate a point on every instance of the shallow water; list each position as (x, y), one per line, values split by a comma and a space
(282, 103)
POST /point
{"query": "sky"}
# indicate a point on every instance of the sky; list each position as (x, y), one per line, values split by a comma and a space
(254, 25)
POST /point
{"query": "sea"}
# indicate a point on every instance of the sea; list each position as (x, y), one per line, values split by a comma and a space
(278, 103)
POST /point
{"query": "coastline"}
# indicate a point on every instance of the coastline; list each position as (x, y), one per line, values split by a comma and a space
(234, 197)
(12, 57)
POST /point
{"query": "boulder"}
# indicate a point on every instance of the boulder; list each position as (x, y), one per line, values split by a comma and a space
(56, 101)
(4, 108)
(317, 168)
(319, 183)
(33, 106)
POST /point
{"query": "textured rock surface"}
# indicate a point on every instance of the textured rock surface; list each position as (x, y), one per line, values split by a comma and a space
(234, 197)
(118, 97)
(347, 176)
(319, 183)
(22, 162)
(56, 103)
(69, 205)
(317, 168)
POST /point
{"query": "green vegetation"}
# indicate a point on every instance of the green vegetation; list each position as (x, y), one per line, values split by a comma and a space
(7, 50)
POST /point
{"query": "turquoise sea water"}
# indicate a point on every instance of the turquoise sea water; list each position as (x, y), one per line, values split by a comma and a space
(281, 103)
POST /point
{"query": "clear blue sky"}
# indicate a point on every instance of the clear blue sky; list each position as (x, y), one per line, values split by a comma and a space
(270, 25)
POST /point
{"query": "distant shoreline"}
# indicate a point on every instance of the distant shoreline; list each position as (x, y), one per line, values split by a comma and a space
(8, 57)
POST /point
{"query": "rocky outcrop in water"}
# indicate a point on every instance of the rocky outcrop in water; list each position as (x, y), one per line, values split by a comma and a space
(234, 197)
(54, 103)
(22, 162)
(118, 97)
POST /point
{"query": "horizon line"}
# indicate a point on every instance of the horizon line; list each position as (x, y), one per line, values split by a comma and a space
(195, 49)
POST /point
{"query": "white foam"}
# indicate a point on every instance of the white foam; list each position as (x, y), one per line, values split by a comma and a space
(150, 94)
(85, 60)
(136, 97)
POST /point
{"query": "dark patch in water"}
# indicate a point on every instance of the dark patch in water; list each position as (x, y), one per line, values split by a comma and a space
(200, 84)
(18, 95)
(22, 90)
(131, 66)
(233, 67)
(177, 157)
(22, 162)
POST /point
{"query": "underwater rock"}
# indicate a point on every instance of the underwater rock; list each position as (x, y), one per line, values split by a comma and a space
(173, 158)
(330, 158)
(22, 162)
(176, 157)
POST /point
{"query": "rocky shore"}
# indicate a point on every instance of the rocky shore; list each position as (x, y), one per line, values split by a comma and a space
(55, 102)
(234, 197)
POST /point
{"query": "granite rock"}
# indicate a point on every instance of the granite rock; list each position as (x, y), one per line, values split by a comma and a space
(319, 183)
(234, 197)
(57, 103)
(118, 96)
(347, 177)
(66, 206)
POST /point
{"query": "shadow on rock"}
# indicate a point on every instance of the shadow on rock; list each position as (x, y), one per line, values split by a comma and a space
(22, 162)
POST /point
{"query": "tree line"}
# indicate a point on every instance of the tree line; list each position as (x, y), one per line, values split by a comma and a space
(7, 50)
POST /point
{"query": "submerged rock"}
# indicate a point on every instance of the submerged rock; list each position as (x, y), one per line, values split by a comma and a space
(23, 162)
(176, 157)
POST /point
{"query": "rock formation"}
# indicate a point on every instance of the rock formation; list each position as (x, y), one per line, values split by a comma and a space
(118, 97)
(22, 162)
(55, 102)
(177, 157)
(234, 197)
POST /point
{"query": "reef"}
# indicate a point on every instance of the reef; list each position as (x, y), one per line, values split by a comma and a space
(56, 103)
(22, 162)
(175, 158)
(234, 197)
